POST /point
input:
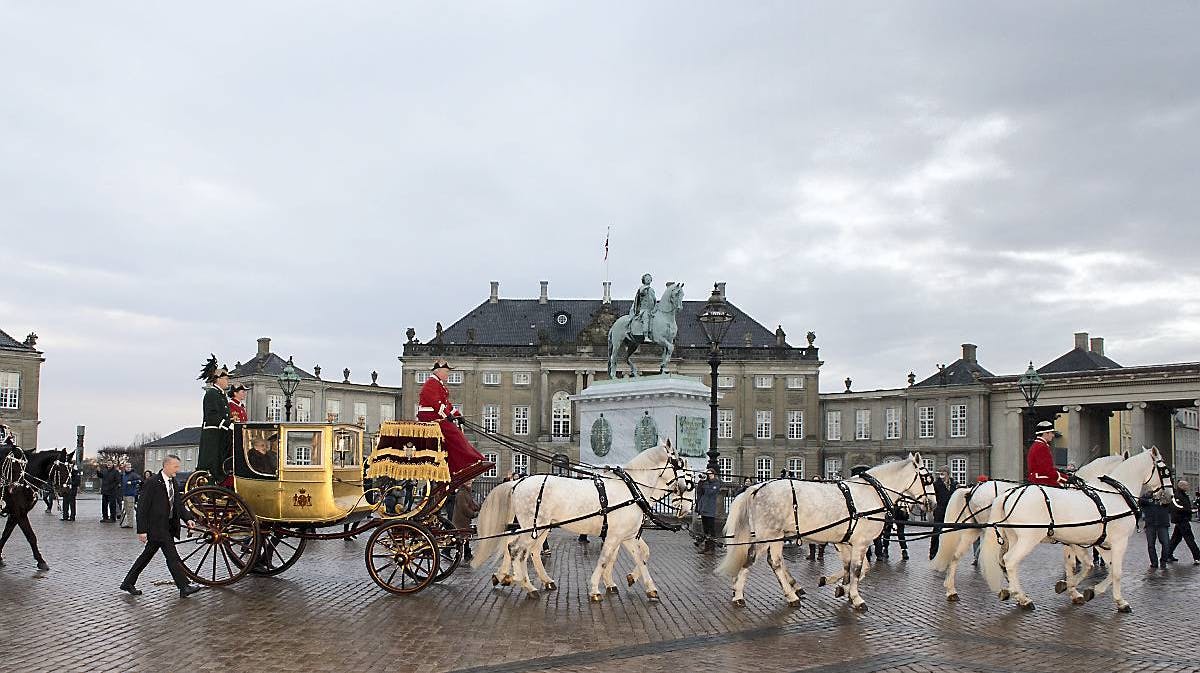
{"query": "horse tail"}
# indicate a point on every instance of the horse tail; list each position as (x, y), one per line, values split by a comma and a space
(960, 500)
(494, 516)
(737, 527)
(990, 552)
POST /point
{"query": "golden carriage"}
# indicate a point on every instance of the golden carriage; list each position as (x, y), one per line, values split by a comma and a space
(291, 480)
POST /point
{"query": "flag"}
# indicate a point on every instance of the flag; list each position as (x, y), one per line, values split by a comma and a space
(606, 243)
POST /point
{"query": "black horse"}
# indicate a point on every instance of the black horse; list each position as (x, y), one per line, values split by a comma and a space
(28, 472)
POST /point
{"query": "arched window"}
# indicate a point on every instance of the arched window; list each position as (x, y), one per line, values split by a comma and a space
(560, 407)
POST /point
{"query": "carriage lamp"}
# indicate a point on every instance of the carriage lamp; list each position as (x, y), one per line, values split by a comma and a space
(715, 320)
(289, 380)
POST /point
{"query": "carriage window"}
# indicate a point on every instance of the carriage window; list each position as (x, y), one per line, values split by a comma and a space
(304, 448)
(261, 451)
(346, 450)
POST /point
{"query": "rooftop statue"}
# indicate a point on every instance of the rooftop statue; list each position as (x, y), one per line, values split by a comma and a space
(649, 321)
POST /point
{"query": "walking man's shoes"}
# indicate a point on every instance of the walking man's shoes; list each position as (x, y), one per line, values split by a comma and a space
(132, 590)
(188, 590)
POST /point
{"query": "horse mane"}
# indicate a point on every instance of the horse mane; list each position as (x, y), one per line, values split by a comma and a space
(40, 461)
(648, 459)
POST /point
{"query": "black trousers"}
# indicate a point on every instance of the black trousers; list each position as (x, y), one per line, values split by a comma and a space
(68, 507)
(173, 562)
(937, 532)
(708, 524)
(14, 520)
(1183, 533)
(1161, 535)
(108, 506)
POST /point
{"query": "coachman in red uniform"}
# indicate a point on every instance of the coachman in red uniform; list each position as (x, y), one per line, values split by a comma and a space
(434, 405)
(1040, 461)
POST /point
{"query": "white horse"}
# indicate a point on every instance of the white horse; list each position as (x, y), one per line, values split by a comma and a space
(1076, 520)
(783, 508)
(574, 504)
(973, 505)
(661, 330)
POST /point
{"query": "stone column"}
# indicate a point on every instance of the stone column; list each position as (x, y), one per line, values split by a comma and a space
(1084, 431)
(1137, 426)
(580, 382)
(1007, 447)
(544, 410)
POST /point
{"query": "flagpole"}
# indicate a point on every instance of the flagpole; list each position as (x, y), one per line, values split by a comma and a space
(607, 235)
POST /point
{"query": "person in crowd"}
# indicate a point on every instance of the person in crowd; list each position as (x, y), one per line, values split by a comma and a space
(48, 498)
(466, 507)
(883, 542)
(1156, 520)
(160, 511)
(110, 492)
(707, 494)
(70, 494)
(1181, 515)
(746, 483)
(943, 487)
(131, 483)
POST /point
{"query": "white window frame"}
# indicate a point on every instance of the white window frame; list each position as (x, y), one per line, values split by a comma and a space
(387, 412)
(520, 419)
(930, 464)
(421, 377)
(724, 423)
(833, 426)
(560, 414)
(360, 410)
(958, 420)
(522, 378)
(795, 424)
(795, 383)
(862, 424)
(304, 409)
(762, 423)
(491, 378)
(724, 381)
(520, 463)
(958, 470)
(833, 468)
(724, 467)
(274, 408)
(493, 458)
(764, 381)
(795, 467)
(455, 378)
(764, 468)
(491, 418)
(892, 423)
(334, 408)
(926, 422)
(10, 390)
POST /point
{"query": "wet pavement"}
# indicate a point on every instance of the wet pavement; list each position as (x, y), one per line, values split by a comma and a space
(325, 614)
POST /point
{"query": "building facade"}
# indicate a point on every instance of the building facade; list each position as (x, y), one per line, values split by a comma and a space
(20, 385)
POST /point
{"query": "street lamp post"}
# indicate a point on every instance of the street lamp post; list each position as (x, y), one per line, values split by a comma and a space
(1030, 384)
(715, 319)
(289, 380)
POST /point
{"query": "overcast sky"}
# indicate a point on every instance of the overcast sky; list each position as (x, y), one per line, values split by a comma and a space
(897, 177)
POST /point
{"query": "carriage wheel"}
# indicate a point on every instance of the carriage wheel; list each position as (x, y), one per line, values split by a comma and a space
(197, 479)
(221, 548)
(402, 557)
(450, 547)
(278, 551)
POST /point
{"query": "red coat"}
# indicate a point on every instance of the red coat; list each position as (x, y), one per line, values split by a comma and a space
(1040, 465)
(237, 411)
(433, 404)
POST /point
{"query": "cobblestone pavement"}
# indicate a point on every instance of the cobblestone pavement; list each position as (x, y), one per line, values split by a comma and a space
(326, 614)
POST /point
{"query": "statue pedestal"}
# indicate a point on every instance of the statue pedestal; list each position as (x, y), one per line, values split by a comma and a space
(619, 418)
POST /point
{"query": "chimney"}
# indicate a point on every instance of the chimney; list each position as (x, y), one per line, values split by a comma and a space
(607, 292)
(1081, 341)
(1097, 345)
(545, 295)
(969, 352)
(720, 288)
(495, 297)
(264, 346)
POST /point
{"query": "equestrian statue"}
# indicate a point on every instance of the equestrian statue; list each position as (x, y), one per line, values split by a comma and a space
(649, 321)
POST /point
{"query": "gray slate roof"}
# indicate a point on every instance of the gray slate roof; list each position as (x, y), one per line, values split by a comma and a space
(11, 344)
(517, 322)
(959, 373)
(184, 437)
(267, 365)
(1078, 360)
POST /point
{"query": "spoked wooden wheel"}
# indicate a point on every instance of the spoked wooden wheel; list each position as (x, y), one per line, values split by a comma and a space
(402, 557)
(278, 551)
(197, 479)
(221, 547)
(450, 549)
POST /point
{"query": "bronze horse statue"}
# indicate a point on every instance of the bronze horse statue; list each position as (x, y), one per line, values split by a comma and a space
(661, 330)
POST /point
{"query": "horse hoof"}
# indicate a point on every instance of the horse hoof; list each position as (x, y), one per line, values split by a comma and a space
(799, 591)
(1125, 609)
(551, 586)
(1026, 606)
(1060, 586)
(533, 595)
(839, 591)
(611, 590)
(821, 582)
(1004, 594)
(1088, 595)
(952, 598)
(653, 596)
(507, 580)
(629, 579)
(739, 602)
(595, 598)
(495, 580)
(1078, 600)
(794, 603)
(861, 607)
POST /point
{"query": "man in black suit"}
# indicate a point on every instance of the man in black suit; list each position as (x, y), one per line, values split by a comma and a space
(72, 492)
(158, 513)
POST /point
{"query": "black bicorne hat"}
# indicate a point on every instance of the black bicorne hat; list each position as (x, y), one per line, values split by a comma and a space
(440, 364)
